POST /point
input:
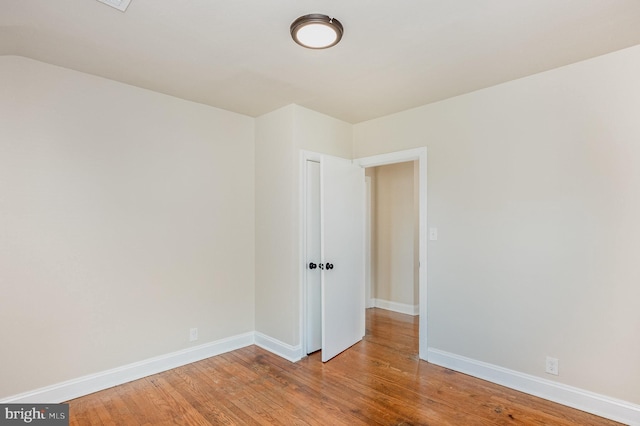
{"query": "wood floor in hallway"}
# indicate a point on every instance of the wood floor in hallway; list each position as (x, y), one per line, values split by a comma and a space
(379, 381)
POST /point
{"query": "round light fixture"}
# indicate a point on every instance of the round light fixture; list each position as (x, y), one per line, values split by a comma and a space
(316, 31)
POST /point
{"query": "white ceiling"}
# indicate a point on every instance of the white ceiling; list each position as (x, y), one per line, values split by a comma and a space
(395, 54)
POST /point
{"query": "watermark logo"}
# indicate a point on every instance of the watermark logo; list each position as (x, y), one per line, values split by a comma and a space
(36, 414)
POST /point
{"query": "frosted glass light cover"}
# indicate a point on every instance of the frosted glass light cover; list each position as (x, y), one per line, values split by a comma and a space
(316, 35)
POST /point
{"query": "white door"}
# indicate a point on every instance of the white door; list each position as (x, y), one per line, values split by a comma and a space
(342, 213)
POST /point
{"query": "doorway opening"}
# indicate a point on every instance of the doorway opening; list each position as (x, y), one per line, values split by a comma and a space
(392, 248)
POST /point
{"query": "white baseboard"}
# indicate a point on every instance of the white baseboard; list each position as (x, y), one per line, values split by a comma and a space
(600, 405)
(283, 350)
(611, 408)
(402, 308)
(81, 386)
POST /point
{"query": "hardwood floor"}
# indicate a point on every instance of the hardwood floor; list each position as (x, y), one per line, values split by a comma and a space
(379, 381)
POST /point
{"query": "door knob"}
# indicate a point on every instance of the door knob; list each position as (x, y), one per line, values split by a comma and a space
(312, 265)
(329, 265)
(321, 266)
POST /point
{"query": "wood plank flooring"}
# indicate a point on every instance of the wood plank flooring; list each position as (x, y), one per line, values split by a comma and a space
(379, 381)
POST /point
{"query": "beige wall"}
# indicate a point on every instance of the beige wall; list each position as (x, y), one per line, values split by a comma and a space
(534, 186)
(276, 251)
(280, 135)
(126, 217)
(395, 234)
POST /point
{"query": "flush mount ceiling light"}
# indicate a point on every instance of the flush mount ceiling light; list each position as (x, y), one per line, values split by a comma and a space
(316, 31)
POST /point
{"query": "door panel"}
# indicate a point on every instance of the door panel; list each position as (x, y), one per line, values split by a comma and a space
(342, 192)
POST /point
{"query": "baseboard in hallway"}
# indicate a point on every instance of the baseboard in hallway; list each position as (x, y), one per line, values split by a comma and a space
(402, 308)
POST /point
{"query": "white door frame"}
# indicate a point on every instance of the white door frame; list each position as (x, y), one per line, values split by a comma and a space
(368, 271)
(302, 261)
(419, 155)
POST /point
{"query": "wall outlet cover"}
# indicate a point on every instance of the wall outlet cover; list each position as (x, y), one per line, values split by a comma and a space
(551, 366)
(193, 334)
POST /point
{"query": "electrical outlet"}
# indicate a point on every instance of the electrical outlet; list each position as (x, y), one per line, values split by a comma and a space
(193, 334)
(433, 234)
(552, 366)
